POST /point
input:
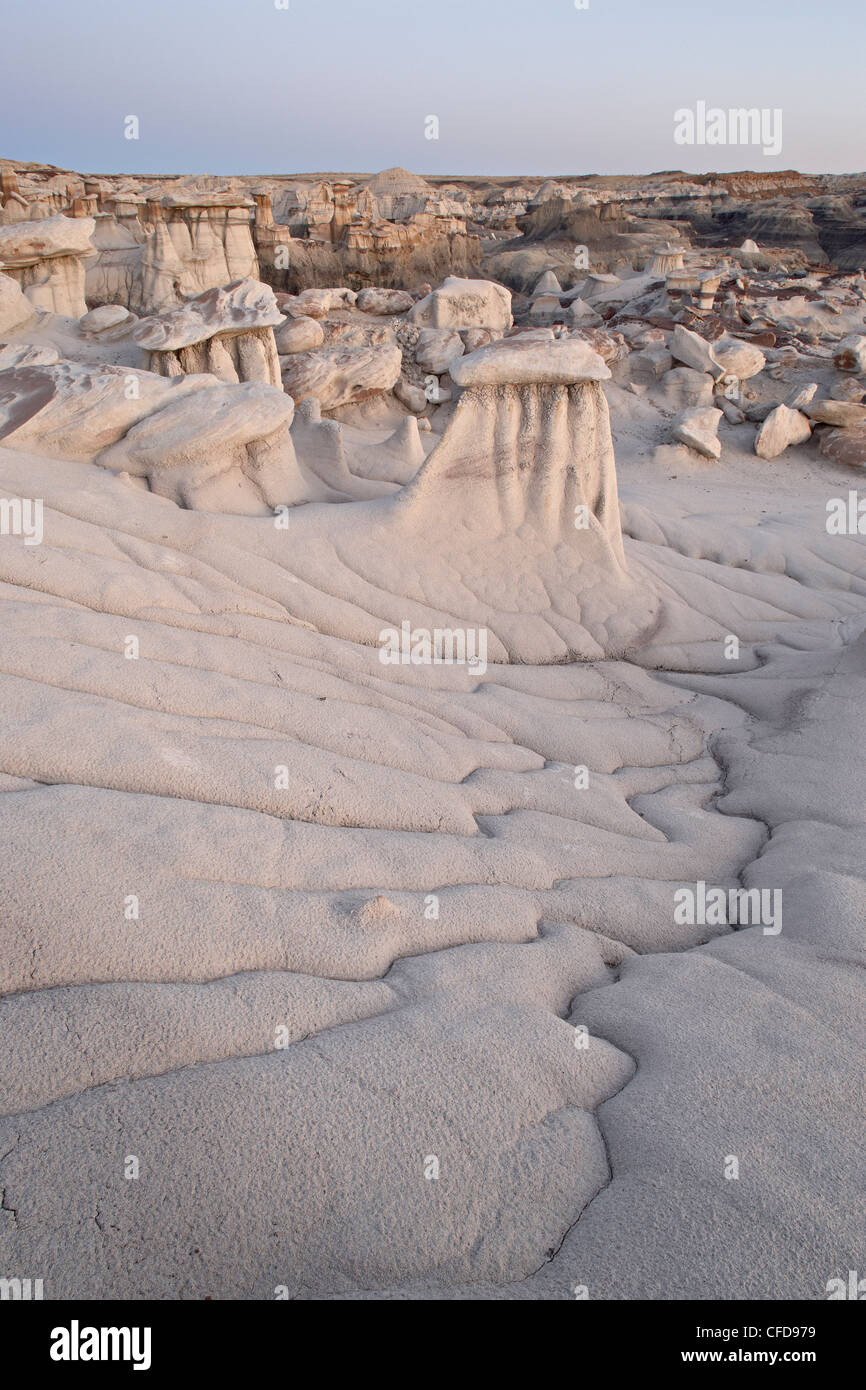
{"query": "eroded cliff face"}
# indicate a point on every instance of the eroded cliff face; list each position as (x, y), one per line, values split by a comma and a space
(823, 216)
(195, 242)
(158, 242)
(394, 230)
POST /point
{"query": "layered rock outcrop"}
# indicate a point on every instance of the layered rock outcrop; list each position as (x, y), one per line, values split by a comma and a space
(228, 331)
(47, 258)
(195, 242)
(193, 439)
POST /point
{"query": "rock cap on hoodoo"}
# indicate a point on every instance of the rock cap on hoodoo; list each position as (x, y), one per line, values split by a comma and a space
(509, 362)
(25, 243)
(237, 308)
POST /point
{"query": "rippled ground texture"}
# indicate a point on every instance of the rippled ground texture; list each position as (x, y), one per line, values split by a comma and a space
(376, 994)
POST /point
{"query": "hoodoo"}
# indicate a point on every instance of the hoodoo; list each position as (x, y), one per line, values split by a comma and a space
(512, 523)
(432, 653)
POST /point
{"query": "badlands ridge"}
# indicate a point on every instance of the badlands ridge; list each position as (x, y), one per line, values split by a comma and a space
(412, 594)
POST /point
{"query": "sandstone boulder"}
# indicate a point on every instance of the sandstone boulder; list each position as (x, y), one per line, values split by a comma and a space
(230, 309)
(694, 351)
(850, 355)
(317, 304)
(610, 346)
(732, 412)
(71, 411)
(737, 358)
(436, 348)
(698, 428)
(411, 396)
(846, 446)
(107, 323)
(299, 335)
(474, 338)
(649, 364)
(683, 387)
(381, 301)
(848, 390)
(800, 397)
(337, 375)
(461, 303)
(25, 243)
(783, 426)
(843, 414)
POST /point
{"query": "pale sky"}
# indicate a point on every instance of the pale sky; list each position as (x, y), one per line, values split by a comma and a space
(518, 86)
